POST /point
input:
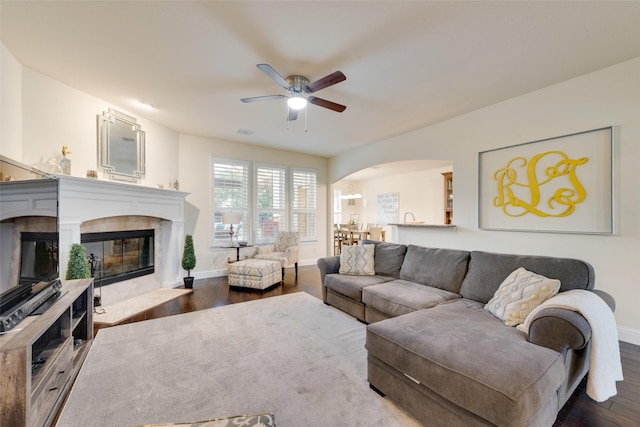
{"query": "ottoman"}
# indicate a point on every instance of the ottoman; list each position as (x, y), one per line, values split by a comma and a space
(255, 273)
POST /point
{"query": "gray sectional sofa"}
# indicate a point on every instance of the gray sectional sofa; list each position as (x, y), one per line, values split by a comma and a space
(437, 352)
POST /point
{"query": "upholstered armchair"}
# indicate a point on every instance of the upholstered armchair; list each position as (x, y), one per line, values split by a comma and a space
(284, 249)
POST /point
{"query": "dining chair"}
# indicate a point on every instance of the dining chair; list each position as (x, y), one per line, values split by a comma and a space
(347, 231)
(375, 233)
(338, 238)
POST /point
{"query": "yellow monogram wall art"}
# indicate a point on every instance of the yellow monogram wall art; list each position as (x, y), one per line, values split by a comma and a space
(544, 185)
(556, 185)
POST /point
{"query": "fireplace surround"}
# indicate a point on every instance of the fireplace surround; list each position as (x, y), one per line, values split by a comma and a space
(96, 206)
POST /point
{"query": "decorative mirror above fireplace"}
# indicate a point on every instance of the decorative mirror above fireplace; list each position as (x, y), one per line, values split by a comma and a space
(120, 146)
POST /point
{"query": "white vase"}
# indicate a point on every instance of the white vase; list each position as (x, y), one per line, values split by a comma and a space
(65, 165)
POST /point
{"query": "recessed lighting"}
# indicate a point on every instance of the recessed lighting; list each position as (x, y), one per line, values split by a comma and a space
(145, 105)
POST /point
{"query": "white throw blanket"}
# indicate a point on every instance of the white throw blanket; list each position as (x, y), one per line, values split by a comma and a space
(605, 367)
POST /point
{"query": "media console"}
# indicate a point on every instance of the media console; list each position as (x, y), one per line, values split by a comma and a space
(41, 356)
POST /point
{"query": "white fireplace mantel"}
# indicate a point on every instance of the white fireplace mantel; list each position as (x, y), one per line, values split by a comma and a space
(83, 199)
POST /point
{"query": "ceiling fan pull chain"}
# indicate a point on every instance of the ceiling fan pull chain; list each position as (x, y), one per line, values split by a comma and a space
(305, 119)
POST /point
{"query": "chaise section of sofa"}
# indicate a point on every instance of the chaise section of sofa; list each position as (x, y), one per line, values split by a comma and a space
(459, 352)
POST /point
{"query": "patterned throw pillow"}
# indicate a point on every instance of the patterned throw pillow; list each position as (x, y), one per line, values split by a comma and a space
(519, 294)
(260, 420)
(357, 260)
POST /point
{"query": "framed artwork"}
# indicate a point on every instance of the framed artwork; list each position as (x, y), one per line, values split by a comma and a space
(387, 208)
(556, 185)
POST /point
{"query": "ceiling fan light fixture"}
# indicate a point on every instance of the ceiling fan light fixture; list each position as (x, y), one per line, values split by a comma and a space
(297, 102)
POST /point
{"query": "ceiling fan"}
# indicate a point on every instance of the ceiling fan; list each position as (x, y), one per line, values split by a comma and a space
(299, 89)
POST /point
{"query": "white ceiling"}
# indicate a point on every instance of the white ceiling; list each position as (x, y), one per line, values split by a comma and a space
(408, 64)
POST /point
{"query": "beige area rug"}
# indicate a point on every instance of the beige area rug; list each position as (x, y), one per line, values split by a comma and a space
(124, 310)
(290, 355)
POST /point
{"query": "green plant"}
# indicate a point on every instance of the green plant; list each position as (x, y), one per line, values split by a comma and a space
(189, 255)
(78, 265)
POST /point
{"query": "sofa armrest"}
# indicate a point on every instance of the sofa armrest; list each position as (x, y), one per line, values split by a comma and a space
(611, 302)
(559, 329)
(328, 265)
(292, 254)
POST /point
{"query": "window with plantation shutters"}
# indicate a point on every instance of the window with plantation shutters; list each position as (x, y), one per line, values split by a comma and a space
(271, 201)
(269, 198)
(337, 206)
(230, 193)
(304, 203)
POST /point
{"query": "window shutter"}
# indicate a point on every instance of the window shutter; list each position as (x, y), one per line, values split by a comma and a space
(271, 201)
(230, 187)
(305, 204)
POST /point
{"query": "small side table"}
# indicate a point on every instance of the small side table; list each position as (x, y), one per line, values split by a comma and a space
(237, 248)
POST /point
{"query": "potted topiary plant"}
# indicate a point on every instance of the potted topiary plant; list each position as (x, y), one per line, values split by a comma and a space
(78, 265)
(188, 260)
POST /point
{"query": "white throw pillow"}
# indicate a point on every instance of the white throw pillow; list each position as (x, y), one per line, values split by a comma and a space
(357, 260)
(519, 294)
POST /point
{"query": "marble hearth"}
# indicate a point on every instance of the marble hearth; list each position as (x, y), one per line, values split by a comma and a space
(88, 205)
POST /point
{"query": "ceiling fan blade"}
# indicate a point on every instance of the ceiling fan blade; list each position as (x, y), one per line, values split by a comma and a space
(269, 71)
(262, 98)
(326, 104)
(293, 115)
(331, 79)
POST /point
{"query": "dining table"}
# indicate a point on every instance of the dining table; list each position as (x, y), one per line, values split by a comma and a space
(353, 236)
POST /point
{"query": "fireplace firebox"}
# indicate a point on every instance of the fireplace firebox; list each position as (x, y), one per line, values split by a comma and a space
(119, 255)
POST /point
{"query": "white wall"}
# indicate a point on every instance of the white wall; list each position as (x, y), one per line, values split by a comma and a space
(195, 165)
(10, 105)
(55, 114)
(604, 98)
(39, 115)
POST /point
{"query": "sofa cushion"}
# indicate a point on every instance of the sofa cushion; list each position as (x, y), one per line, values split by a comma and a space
(521, 292)
(357, 259)
(400, 297)
(388, 257)
(351, 286)
(466, 355)
(440, 268)
(488, 270)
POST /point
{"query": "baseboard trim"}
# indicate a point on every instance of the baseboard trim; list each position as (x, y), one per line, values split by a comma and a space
(628, 335)
(210, 273)
(305, 262)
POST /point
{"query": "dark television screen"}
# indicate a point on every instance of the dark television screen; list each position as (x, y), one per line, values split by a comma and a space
(38, 257)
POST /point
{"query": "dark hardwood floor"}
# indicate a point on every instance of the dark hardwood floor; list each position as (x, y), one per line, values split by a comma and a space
(621, 410)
